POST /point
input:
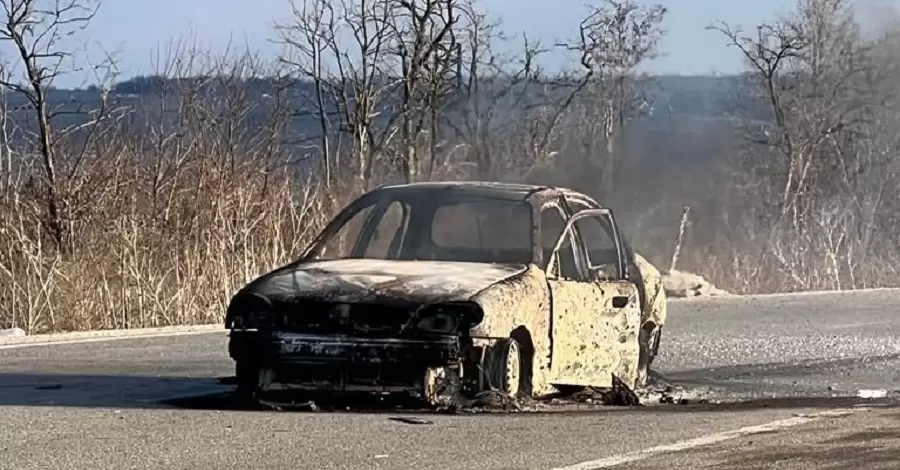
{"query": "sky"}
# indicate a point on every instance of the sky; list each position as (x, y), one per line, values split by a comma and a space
(136, 30)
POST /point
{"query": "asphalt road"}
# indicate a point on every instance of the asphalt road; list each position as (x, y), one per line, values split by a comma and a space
(156, 403)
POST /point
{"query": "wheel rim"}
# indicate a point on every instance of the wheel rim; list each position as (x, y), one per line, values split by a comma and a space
(653, 344)
(513, 370)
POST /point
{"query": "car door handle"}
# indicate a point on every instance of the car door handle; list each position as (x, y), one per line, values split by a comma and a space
(619, 301)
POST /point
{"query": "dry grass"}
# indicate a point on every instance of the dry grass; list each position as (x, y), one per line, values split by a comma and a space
(176, 259)
(168, 237)
(140, 270)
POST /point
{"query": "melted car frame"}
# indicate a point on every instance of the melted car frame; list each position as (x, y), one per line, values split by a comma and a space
(414, 323)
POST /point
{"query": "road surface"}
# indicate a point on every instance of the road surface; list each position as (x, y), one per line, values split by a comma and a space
(158, 403)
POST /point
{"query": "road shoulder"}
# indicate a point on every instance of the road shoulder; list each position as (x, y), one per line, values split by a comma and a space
(866, 439)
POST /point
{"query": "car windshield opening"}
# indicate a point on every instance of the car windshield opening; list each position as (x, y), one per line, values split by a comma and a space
(446, 228)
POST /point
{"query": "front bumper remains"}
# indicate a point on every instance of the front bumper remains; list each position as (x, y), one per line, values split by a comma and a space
(344, 364)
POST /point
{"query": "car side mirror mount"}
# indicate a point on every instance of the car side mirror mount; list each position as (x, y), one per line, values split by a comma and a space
(600, 273)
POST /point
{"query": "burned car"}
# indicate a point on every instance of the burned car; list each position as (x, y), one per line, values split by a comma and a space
(463, 286)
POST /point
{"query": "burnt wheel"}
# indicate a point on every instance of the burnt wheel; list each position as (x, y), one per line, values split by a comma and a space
(247, 374)
(504, 367)
(654, 344)
(648, 343)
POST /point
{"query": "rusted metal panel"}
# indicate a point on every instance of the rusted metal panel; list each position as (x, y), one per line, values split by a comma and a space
(338, 363)
(592, 339)
(655, 291)
(373, 280)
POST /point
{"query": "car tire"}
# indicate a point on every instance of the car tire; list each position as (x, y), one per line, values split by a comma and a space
(247, 377)
(654, 344)
(504, 367)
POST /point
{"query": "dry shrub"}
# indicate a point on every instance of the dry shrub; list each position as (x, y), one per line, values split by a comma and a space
(165, 222)
(136, 269)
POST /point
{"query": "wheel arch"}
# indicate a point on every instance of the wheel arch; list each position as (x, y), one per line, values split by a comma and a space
(526, 350)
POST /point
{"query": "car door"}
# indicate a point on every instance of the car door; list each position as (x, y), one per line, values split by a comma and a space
(595, 313)
(576, 203)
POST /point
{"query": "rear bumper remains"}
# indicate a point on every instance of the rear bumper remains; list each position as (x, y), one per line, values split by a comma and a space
(341, 363)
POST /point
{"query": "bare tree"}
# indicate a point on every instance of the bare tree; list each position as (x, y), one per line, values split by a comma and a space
(10, 169)
(615, 39)
(823, 87)
(36, 28)
(342, 47)
(426, 49)
(309, 39)
(492, 97)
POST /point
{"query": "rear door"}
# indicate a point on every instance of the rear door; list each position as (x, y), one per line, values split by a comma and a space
(594, 310)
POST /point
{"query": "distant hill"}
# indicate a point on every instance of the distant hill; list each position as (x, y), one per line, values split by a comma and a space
(706, 96)
(698, 105)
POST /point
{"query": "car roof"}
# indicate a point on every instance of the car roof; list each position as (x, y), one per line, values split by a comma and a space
(496, 189)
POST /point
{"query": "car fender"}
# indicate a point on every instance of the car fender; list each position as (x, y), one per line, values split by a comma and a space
(520, 307)
(656, 308)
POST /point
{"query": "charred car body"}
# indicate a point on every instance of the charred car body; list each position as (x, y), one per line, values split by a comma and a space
(427, 288)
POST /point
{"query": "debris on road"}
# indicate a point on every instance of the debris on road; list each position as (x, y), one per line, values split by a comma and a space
(619, 395)
(274, 405)
(672, 395)
(660, 391)
(684, 284)
(872, 393)
(12, 333)
(657, 392)
(622, 394)
(410, 420)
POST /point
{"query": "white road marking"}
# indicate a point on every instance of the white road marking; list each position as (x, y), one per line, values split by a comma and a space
(109, 335)
(781, 295)
(856, 325)
(705, 440)
(808, 293)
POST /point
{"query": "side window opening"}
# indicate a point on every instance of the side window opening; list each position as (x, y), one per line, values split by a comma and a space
(481, 230)
(552, 225)
(600, 244)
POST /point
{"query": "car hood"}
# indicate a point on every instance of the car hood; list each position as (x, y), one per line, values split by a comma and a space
(387, 281)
